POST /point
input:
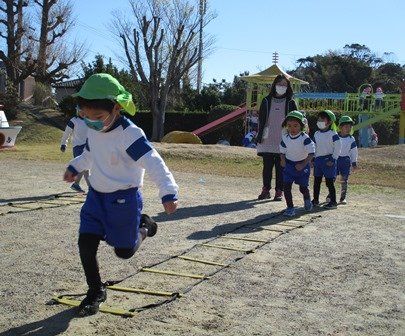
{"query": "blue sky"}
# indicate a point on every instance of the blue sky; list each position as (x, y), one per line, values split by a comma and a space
(247, 32)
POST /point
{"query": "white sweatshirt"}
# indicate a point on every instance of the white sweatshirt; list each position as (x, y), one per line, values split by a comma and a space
(349, 148)
(327, 143)
(76, 128)
(118, 159)
(296, 148)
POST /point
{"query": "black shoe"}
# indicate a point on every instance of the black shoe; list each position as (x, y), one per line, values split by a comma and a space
(149, 224)
(315, 203)
(265, 194)
(278, 196)
(91, 303)
(330, 205)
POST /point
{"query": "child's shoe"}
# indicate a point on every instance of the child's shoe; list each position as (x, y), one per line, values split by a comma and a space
(315, 203)
(76, 187)
(343, 201)
(149, 224)
(264, 194)
(278, 196)
(308, 204)
(91, 303)
(330, 205)
(289, 212)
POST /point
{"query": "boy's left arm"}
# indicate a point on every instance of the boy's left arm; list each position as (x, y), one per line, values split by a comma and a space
(337, 146)
(142, 151)
(354, 154)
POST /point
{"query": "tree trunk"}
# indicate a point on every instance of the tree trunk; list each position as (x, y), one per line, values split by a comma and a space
(158, 124)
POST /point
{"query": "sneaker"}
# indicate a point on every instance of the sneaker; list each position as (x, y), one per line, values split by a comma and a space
(91, 303)
(77, 188)
(308, 205)
(315, 203)
(343, 201)
(265, 194)
(149, 224)
(289, 212)
(278, 196)
(330, 205)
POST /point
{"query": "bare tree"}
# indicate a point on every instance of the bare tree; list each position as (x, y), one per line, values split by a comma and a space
(53, 56)
(18, 59)
(161, 47)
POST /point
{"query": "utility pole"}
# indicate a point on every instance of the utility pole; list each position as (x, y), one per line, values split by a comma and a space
(275, 57)
(203, 8)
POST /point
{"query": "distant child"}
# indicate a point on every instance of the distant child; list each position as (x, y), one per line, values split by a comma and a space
(77, 129)
(372, 136)
(348, 154)
(118, 154)
(379, 95)
(327, 151)
(365, 97)
(297, 150)
(248, 140)
(253, 120)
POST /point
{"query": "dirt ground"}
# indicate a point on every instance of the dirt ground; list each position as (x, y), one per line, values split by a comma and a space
(336, 272)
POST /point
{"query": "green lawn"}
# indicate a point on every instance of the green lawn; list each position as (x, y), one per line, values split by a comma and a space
(38, 141)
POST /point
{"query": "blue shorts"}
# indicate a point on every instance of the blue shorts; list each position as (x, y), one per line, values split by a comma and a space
(322, 169)
(290, 174)
(113, 216)
(343, 165)
(78, 150)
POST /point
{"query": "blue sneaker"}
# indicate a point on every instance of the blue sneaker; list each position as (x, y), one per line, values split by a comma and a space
(77, 188)
(289, 212)
(308, 205)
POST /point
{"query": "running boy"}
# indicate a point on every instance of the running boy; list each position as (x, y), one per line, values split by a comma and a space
(296, 150)
(118, 154)
(77, 130)
(348, 155)
(327, 151)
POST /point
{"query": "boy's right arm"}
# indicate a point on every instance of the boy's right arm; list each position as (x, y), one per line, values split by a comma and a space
(66, 134)
(82, 162)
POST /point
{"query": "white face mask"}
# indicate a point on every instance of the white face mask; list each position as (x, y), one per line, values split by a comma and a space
(280, 90)
(321, 124)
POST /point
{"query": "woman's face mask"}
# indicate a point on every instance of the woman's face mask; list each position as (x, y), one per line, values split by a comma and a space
(281, 90)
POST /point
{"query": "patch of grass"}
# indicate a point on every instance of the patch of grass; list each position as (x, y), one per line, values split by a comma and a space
(49, 152)
(215, 165)
(383, 167)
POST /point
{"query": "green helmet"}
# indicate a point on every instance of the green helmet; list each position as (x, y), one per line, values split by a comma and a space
(297, 115)
(346, 120)
(331, 115)
(105, 86)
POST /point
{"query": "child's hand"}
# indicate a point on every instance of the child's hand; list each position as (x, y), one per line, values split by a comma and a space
(62, 148)
(330, 163)
(68, 176)
(282, 163)
(170, 206)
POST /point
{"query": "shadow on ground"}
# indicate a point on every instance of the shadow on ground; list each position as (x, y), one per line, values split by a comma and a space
(51, 326)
